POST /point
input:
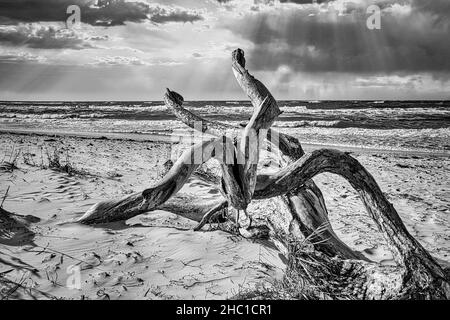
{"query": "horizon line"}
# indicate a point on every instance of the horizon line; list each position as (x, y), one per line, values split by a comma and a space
(228, 100)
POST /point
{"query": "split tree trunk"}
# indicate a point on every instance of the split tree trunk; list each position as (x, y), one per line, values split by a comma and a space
(287, 203)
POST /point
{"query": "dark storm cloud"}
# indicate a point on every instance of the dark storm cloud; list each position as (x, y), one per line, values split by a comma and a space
(440, 8)
(413, 38)
(97, 13)
(40, 37)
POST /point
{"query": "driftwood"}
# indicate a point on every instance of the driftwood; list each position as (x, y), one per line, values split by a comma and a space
(286, 205)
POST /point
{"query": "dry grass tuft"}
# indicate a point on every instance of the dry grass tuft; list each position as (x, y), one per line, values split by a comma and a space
(54, 158)
(56, 163)
(9, 162)
(309, 275)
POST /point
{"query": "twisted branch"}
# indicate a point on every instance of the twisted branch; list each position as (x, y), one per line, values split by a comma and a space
(300, 208)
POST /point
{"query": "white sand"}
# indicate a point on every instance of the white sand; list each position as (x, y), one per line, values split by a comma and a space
(156, 256)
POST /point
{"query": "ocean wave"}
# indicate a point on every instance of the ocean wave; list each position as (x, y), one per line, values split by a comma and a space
(396, 139)
(425, 126)
(306, 123)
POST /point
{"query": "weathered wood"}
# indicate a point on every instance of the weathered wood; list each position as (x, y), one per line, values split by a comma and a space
(305, 206)
(419, 272)
(356, 279)
(288, 204)
(288, 145)
(337, 162)
(174, 102)
(239, 177)
(158, 193)
(189, 206)
(219, 208)
(254, 89)
(306, 202)
(263, 117)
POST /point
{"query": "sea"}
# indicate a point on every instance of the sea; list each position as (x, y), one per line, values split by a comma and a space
(386, 125)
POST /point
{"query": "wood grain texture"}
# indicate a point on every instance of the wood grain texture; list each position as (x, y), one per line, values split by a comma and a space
(287, 204)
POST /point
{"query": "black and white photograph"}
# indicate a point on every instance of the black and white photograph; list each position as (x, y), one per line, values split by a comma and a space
(245, 151)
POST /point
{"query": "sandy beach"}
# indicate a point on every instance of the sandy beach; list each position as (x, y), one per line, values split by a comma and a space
(118, 181)
(157, 255)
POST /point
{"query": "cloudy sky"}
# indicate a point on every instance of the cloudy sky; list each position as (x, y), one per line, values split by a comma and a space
(311, 50)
